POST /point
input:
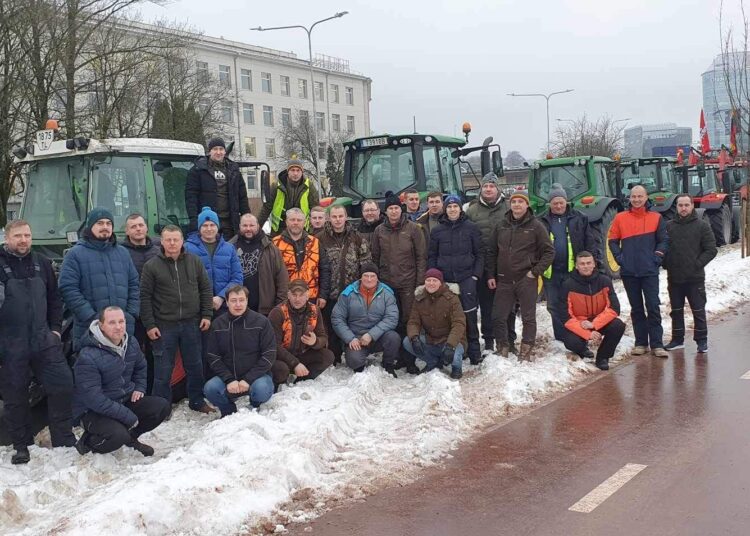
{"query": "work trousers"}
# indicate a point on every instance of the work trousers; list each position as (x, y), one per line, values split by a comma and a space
(388, 343)
(646, 320)
(523, 291)
(553, 290)
(334, 342)
(612, 333)
(486, 298)
(316, 362)
(695, 293)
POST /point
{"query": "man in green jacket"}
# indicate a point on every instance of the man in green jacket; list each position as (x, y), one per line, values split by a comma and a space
(293, 190)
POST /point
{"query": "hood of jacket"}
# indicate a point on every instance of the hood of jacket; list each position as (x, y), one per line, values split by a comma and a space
(88, 240)
(421, 293)
(94, 337)
(202, 163)
(138, 247)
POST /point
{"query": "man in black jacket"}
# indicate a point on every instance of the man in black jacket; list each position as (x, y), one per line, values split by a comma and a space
(692, 247)
(570, 233)
(216, 182)
(30, 325)
(241, 351)
(140, 246)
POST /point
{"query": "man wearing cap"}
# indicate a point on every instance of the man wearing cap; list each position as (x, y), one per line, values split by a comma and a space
(98, 272)
(431, 217)
(215, 181)
(400, 253)
(518, 254)
(365, 318)
(436, 331)
(486, 211)
(456, 250)
(300, 336)
(570, 233)
(371, 218)
(292, 190)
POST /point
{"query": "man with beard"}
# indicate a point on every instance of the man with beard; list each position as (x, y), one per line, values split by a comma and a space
(293, 190)
(263, 271)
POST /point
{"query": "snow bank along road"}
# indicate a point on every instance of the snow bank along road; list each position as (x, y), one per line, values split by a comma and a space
(339, 437)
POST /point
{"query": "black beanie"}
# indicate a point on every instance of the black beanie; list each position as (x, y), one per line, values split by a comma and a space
(392, 200)
(96, 214)
(216, 142)
(368, 266)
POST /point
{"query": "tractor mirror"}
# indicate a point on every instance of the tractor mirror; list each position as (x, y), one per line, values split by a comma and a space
(265, 185)
(497, 164)
(634, 168)
(230, 146)
(702, 171)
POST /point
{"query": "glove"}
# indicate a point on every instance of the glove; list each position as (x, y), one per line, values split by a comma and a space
(448, 353)
(416, 344)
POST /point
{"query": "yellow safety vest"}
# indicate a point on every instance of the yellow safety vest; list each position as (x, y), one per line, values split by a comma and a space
(278, 207)
(571, 259)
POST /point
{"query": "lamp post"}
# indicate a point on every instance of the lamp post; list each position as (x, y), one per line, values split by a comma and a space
(547, 98)
(575, 134)
(309, 30)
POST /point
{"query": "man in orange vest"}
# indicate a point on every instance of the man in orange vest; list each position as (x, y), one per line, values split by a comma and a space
(304, 258)
(301, 338)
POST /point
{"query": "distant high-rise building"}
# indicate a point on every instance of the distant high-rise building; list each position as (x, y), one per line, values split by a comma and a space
(717, 106)
(662, 139)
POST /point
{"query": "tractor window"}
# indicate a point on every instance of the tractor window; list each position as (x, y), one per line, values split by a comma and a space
(571, 178)
(170, 175)
(118, 184)
(700, 187)
(670, 179)
(449, 167)
(377, 171)
(646, 177)
(602, 179)
(431, 170)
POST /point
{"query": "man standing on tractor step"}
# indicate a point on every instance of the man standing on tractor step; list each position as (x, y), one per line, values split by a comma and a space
(30, 326)
(638, 240)
(692, 246)
(293, 190)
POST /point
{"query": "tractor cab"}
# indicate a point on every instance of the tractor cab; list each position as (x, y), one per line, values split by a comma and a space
(657, 175)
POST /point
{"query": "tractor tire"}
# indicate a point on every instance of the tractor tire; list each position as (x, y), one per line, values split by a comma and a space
(611, 268)
(721, 224)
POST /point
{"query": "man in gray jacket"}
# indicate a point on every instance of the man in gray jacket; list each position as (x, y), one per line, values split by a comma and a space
(365, 319)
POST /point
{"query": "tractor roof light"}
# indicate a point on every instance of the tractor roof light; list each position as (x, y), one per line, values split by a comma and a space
(548, 156)
(466, 128)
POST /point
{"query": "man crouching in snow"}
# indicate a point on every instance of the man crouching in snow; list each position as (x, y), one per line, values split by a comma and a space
(110, 375)
(241, 351)
(592, 312)
(438, 313)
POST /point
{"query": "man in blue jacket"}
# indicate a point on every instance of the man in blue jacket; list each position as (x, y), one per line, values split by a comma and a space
(365, 319)
(110, 399)
(98, 272)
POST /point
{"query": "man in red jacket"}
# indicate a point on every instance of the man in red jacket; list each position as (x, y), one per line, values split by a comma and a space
(592, 311)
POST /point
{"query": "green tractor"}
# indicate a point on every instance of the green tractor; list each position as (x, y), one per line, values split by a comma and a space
(658, 175)
(378, 165)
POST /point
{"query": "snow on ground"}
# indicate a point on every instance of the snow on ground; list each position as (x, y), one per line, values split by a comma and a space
(336, 438)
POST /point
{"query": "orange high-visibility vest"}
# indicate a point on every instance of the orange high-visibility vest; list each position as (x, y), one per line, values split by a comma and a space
(286, 325)
(310, 269)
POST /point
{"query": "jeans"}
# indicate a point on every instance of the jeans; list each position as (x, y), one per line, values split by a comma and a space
(216, 393)
(695, 292)
(187, 336)
(433, 354)
(646, 321)
(553, 289)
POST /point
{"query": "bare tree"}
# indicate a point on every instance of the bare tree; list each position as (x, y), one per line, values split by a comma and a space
(514, 159)
(298, 138)
(585, 137)
(734, 67)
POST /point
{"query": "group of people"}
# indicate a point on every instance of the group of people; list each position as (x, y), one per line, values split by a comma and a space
(249, 312)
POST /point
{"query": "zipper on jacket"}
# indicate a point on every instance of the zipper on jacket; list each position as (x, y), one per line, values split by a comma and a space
(179, 291)
(231, 338)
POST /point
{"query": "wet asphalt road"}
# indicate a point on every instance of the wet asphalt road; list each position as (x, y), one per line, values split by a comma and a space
(686, 418)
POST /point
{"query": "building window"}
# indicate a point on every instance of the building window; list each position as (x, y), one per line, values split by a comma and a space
(336, 122)
(270, 148)
(251, 177)
(226, 112)
(265, 82)
(302, 88)
(248, 114)
(286, 117)
(250, 147)
(350, 124)
(285, 91)
(334, 93)
(320, 120)
(350, 95)
(304, 117)
(201, 69)
(246, 78)
(268, 116)
(319, 96)
(322, 150)
(225, 75)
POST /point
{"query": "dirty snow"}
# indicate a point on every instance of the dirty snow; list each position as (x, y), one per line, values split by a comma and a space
(336, 438)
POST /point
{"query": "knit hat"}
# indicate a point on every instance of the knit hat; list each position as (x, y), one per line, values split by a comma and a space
(434, 272)
(294, 162)
(520, 194)
(391, 200)
(558, 191)
(207, 215)
(489, 178)
(298, 284)
(96, 214)
(452, 199)
(370, 267)
(216, 142)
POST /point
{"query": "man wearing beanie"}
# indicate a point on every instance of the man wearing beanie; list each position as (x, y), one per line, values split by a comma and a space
(292, 190)
(96, 273)
(570, 233)
(400, 253)
(436, 332)
(519, 252)
(456, 250)
(215, 181)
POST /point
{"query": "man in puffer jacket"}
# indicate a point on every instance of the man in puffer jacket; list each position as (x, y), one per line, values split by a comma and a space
(98, 272)
(456, 250)
(110, 399)
(592, 311)
(436, 331)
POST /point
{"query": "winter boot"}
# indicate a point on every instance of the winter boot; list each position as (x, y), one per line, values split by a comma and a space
(141, 447)
(572, 356)
(602, 364)
(21, 456)
(489, 345)
(513, 348)
(456, 373)
(639, 350)
(587, 354)
(503, 351)
(391, 369)
(660, 352)
(526, 353)
(82, 444)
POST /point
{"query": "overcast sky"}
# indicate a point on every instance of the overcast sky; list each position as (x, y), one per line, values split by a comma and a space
(453, 61)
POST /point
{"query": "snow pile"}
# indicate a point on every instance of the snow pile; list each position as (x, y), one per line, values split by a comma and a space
(335, 438)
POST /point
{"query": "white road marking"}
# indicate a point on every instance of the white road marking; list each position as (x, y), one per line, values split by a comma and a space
(745, 376)
(604, 490)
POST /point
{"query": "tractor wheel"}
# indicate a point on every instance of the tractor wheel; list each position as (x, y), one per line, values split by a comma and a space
(611, 268)
(721, 224)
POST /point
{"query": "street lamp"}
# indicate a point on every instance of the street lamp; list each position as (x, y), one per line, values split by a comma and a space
(547, 98)
(575, 134)
(312, 77)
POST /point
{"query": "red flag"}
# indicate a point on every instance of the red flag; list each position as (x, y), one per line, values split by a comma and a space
(693, 158)
(724, 158)
(705, 144)
(733, 133)
(680, 156)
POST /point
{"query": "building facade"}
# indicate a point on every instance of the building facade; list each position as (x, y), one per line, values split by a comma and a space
(662, 139)
(727, 70)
